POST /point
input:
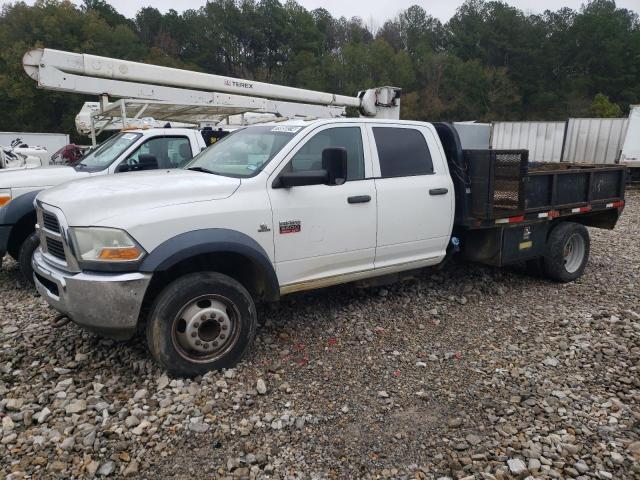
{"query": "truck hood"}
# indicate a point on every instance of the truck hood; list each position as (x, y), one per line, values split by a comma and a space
(39, 177)
(87, 202)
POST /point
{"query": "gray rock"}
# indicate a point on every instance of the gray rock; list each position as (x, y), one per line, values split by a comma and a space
(131, 470)
(534, 465)
(516, 466)
(106, 469)
(42, 415)
(199, 427)
(68, 443)
(14, 404)
(261, 386)
(140, 395)
(131, 421)
(76, 406)
(581, 467)
(7, 424)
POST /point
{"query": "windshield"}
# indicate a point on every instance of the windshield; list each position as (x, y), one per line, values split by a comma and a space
(244, 152)
(106, 153)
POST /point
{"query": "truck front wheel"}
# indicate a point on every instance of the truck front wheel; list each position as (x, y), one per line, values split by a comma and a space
(200, 322)
(567, 252)
(26, 253)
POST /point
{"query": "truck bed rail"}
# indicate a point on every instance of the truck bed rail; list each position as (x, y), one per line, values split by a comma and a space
(503, 184)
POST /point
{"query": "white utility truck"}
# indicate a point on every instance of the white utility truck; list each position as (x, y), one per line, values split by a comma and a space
(630, 155)
(126, 151)
(297, 205)
(149, 90)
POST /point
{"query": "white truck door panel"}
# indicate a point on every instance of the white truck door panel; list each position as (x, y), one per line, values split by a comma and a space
(317, 232)
(415, 195)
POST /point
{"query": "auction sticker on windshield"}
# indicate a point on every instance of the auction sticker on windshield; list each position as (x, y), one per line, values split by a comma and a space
(129, 136)
(285, 128)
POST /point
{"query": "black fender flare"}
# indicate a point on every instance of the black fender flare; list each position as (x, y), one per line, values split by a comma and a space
(211, 240)
(16, 209)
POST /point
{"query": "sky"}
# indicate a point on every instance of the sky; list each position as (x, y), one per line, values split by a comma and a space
(373, 12)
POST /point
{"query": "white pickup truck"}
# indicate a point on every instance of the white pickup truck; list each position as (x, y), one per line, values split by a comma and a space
(279, 208)
(131, 150)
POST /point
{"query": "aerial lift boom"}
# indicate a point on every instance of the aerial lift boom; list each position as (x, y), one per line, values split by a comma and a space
(189, 95)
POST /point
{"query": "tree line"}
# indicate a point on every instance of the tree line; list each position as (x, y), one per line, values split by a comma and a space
(490, 61)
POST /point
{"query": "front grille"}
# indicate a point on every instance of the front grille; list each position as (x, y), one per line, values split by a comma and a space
(55, 248)
(50, 222)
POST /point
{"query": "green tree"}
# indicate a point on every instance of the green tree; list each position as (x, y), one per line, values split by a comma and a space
(602, 107)
(489, 61)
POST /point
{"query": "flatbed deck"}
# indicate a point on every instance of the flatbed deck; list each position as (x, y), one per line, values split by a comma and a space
(502, 187)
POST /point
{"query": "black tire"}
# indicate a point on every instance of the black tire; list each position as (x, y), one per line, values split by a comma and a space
(231, 309)
(14, 251)
(560, 262)
(27, 248)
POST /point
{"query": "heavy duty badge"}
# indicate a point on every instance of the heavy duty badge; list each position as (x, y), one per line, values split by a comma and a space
(290, 226)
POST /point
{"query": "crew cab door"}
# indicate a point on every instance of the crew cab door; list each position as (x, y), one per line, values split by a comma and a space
(415, 195)
(323, 231)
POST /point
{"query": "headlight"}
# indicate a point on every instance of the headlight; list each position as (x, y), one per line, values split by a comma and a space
(95, 244)
(5, 196)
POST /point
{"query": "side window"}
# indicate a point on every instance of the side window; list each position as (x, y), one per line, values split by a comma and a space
(309, 157)
(170, 152)
(403, 152)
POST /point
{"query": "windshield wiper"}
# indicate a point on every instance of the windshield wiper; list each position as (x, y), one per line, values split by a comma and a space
(201, 169)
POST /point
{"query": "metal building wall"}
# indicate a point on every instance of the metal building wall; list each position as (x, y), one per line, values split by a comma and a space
(594, 140)
(473, 135)
(542, 139)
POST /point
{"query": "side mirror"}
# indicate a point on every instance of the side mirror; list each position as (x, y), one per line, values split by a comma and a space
(334, 161)
(300, 179)
(146, 162)
(123, 167)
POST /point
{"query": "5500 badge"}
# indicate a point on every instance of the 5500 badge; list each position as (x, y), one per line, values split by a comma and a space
(290, 226)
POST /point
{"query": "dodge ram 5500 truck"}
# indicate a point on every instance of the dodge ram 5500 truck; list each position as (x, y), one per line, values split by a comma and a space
(130, 150)
(275, 209)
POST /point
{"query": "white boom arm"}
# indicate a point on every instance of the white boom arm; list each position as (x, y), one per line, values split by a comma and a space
(91, 74)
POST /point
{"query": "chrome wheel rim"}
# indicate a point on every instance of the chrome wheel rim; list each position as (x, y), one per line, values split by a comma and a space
(206, 328)
(574, 251)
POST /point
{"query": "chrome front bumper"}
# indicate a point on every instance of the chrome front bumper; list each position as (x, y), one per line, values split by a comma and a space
(105, 303)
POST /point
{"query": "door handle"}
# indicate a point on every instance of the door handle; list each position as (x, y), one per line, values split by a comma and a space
(438, 191)
(359, 199)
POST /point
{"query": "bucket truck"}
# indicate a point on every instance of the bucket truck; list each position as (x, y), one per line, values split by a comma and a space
(172, 95)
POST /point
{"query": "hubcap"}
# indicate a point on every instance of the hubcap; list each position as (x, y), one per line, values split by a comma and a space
(574, 251)
(206, 328)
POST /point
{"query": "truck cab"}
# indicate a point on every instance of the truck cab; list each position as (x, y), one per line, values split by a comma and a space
(126, 151)
(285, 207)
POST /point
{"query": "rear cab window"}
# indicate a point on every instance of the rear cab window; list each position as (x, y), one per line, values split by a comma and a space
(402, 152)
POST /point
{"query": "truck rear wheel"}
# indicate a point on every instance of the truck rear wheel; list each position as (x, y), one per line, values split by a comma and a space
(200, 322)
(27, 248)
(567, 252)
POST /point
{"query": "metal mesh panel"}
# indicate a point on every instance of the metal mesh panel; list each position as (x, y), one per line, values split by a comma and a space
(507, 180)
(496, 181)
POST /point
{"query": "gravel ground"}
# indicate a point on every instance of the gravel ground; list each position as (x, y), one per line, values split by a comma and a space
(466, 372)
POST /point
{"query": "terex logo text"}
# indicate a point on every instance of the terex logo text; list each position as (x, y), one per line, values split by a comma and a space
(235, 83)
